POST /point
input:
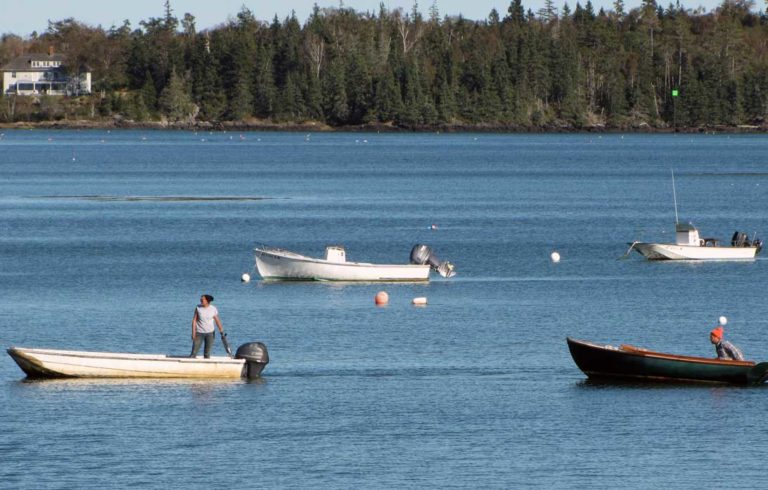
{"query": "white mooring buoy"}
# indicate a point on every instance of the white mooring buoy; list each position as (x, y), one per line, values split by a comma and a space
(245, 277)
(723, 320)
(555, 257)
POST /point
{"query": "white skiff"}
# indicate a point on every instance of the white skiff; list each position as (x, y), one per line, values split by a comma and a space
(278, 264)
(49, 363)
(689, 246)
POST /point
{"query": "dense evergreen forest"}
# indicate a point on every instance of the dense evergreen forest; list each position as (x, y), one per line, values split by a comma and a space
(560, 67)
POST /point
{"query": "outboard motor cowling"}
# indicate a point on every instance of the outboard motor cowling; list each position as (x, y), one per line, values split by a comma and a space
(740, 239)
(256, 358)
(422, 254)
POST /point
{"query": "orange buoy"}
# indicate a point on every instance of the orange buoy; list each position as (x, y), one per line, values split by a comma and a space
(381, 298)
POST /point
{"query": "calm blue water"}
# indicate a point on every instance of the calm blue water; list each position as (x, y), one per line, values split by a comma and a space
(475, 390)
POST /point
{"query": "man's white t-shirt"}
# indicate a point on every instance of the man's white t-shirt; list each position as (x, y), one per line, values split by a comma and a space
(205, 316)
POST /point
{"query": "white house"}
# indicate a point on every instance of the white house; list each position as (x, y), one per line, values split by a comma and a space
(38, 74)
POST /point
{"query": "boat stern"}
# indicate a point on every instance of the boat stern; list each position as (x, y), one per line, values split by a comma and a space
(256, 358)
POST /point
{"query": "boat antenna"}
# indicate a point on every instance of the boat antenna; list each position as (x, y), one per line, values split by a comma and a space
(674, 195)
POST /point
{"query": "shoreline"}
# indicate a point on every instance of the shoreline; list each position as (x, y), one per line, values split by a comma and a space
(314, 126)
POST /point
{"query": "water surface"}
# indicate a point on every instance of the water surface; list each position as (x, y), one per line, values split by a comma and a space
(108, 239)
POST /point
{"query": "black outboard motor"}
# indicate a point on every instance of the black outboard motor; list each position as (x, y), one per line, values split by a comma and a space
(422, 254)
(256, 358)
(740, 239)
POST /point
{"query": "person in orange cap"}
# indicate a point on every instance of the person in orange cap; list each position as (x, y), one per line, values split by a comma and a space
(725, 350)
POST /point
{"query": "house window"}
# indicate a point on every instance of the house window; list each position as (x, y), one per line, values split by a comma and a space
(13, 74)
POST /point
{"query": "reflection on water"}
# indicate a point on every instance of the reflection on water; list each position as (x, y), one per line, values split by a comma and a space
(85, 383)
(478, 390)
(158, 198)
(621, 383)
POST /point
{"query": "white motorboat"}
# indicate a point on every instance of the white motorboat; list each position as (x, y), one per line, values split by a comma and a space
(689, 246)
(278, 264)
(249, 361)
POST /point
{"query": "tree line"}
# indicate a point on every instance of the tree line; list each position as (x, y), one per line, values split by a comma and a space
(559, 67)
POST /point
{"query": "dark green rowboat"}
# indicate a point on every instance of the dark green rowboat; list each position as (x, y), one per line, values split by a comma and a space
(625, 361)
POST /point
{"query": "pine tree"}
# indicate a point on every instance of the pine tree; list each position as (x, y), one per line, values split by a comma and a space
(241, 100)
(335, 104)
(149, 93)
(516, 12)
(387, 103)
(174, 101)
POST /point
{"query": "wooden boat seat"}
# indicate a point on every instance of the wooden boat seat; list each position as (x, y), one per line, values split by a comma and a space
(631, 348)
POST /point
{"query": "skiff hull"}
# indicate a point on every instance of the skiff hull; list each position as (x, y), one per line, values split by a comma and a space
(664, 251)
(49, 363)
(627, 362)
(274, 264)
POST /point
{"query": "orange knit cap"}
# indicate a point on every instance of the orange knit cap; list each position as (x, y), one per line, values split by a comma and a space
(717, 332)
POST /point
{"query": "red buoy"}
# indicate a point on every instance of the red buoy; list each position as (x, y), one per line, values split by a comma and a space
(381, 298)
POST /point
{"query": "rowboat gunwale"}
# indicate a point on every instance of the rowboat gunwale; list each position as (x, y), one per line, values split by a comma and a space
(125, 355)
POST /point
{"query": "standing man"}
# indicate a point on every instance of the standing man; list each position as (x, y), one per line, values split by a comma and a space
(725, 350)
(202, 326)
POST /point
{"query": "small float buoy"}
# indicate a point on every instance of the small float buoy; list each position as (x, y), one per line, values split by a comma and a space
(555, 257)
(420, 301)
(381, 298)
(723, 320)
(433, 227)
(245, 277)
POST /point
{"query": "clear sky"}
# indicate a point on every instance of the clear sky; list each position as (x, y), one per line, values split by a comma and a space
(22, 17)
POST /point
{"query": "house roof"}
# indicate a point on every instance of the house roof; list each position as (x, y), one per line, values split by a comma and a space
(24, 62)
